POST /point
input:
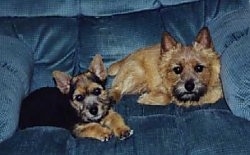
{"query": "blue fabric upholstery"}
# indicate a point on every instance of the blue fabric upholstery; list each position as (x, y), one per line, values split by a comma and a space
(55, 45)
(232, 40)
(69, 8)
(38, 37)
(157, 130)
(107, 37)
(16, 66)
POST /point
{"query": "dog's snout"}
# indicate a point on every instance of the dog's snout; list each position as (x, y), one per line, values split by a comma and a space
(189, 85)
(93, 110)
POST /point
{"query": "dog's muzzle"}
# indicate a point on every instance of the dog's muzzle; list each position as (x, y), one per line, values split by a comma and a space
(189, 91)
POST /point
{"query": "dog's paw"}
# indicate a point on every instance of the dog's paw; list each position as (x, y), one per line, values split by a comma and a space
(105, 135)
(142, 99)
(114, 95)
(93, 131)
(154, 99)
(145, 99)
(123, 132)
(126, 134)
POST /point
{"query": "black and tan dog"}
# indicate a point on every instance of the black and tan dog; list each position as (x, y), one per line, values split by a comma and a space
(79, 104)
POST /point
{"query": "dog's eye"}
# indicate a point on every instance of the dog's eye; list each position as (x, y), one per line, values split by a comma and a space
(97, 91)
(178, 69)
(79, 98)
(198, 68)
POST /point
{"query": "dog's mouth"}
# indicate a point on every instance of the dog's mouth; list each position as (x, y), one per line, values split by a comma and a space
(94, 114)
(188, 96)
(95, 118)
(185, 96)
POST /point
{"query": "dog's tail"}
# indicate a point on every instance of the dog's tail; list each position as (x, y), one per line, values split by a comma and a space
(115, 67)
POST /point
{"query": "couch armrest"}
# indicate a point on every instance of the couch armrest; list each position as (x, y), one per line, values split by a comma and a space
(16, 69)
(231, 37)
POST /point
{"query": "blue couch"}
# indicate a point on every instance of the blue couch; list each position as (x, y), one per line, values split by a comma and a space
(38, 37)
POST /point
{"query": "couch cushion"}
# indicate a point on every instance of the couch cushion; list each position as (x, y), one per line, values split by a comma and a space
(16, 66)
(111, 7)
(128, 107)
(69, 8)
(39, 140)
(205, 131)
(231, 35)
(31, 8)
(55, 44)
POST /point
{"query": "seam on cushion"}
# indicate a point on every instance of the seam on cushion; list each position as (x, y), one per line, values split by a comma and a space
(174, 3)
(8, 67)
(162, 19)
(79, 7)
(240, 10)
(184, 114)
(204, 13)
(214, 16)
(21, 38)
(124, 12)
(152, 115)
(210, 110)
(13, 70)
(236, 36)
(159, 2)
(182, 126)
(233, 38)
(229, 15)
(78, 47)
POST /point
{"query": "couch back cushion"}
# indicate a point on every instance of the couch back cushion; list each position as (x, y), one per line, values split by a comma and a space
(34, 8)
(54, 42)
(111, 29)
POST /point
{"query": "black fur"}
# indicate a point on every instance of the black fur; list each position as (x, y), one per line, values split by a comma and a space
(95, 78)
(49, 107)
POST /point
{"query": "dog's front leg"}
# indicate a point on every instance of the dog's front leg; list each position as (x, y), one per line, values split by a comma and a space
(115, 122)
(154, 98)
(92, 130)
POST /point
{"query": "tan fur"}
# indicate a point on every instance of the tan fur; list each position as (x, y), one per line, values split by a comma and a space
(93, 130)
(149, 71)
(113, 123)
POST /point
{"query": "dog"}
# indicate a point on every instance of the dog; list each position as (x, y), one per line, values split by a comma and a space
(79, 104)
(170, 72)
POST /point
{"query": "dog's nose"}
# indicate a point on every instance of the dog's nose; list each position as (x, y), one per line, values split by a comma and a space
(93, 110)
(189, 85)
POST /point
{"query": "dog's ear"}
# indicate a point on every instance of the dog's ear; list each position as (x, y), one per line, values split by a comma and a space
(203, 39)
(167, 42)
(62, 81)
(98, 68)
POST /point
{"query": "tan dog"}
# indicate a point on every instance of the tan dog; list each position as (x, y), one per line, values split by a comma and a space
(170, 72)
(80, 104)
